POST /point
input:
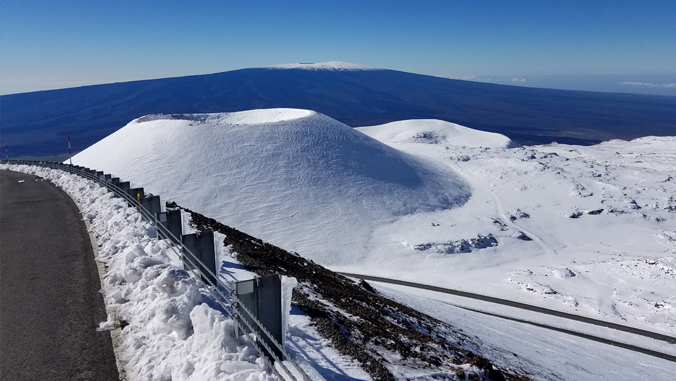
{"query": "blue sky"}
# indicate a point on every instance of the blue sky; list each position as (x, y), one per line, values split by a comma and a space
(66, 43)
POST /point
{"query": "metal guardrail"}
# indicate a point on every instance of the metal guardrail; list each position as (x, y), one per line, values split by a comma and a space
(221, 292)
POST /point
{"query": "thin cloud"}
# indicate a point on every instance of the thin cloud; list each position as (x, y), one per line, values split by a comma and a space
(647, 84)
(485, 79)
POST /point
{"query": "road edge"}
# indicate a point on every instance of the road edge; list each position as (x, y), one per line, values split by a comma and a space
(115, 334)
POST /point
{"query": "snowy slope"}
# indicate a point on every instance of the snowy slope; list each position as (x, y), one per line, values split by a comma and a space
(586, 230)
(432, 131)
(540, 353)
(296, 178)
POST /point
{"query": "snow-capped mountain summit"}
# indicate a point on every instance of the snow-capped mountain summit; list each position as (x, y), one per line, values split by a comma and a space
(296, 178)
(332, 65)
(37, 123)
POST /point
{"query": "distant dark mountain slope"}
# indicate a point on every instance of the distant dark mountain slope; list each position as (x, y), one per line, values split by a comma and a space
(37, 123)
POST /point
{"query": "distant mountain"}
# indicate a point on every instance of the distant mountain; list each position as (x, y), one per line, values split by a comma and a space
(37, 123)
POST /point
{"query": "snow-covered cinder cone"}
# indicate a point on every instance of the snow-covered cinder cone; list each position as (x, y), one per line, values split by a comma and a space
(296, 178)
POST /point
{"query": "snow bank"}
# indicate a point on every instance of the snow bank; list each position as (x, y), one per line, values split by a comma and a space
(433, 131)
(172, 333)
(295, 178)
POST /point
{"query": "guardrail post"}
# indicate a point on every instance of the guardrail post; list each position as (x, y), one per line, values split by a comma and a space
(136, 193)
(207, 254)
(125, 186)
(152, 204)
(202, 246)
(107, 177)
(190, 244)
(263, 298)
(172, 221)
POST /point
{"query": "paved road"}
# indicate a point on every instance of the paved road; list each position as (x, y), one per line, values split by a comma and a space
(50, 303)
(583, 335)
(547, 311)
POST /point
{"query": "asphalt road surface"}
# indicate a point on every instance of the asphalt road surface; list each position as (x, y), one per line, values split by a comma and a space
(50, 305)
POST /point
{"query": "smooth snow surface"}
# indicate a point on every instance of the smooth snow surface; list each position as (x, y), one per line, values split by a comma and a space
(585, 230)
(333, 65)
(432, 131)
(295, 178)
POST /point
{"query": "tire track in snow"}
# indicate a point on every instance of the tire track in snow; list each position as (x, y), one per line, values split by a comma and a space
(501, 210)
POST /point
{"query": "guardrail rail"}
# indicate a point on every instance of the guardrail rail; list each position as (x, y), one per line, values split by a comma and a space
(225, 296)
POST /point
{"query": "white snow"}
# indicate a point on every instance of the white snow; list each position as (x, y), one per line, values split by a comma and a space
(443, 204)
(433, 131)
(540, 353)
(585, 230)
(295, 178)
(615, 261)
(333, 65)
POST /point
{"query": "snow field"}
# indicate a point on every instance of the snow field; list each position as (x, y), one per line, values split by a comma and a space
(433, 131)
(586, 230)
(600, 224)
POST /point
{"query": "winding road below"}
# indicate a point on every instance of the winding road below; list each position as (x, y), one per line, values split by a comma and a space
(547, 311)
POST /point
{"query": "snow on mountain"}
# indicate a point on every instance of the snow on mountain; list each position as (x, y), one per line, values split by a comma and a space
(432, 131)
(333, 65)
(295, 178)
(587, 230)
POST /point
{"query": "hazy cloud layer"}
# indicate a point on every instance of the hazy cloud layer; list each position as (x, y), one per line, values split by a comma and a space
(646, 84)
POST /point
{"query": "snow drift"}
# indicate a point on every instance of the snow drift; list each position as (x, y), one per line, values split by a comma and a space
(296, 178)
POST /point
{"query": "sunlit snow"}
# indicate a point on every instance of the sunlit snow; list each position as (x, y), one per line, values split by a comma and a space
(333, 65)
(296, 178)
(586, 230)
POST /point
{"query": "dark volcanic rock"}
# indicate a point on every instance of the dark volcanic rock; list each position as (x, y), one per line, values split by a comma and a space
(360, 323)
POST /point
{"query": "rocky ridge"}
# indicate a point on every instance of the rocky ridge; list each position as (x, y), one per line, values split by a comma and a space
(379, 333)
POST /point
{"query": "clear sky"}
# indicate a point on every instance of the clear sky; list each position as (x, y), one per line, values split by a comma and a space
(48, 44)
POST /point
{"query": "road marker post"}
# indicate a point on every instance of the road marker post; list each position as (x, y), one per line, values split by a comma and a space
(70, 156)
